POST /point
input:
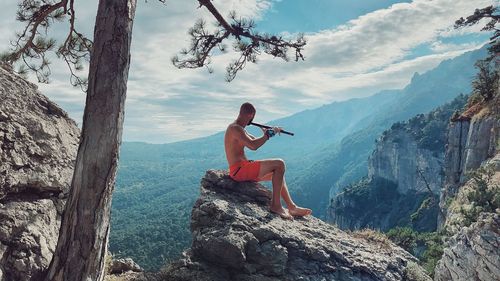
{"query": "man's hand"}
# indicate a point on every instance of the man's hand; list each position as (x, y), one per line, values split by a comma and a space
(277, 130)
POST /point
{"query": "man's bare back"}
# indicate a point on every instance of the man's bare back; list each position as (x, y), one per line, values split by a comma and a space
(233, 146)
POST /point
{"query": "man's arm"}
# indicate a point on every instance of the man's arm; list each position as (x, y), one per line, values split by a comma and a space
(242, 136)
(250, 135)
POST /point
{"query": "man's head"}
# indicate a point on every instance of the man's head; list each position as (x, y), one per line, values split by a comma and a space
(247, 113)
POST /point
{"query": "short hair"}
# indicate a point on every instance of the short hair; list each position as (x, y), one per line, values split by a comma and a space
(247, 108)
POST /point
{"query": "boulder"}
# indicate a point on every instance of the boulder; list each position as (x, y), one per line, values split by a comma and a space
(235, 237)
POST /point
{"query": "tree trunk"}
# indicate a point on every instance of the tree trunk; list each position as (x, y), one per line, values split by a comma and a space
(83, 236)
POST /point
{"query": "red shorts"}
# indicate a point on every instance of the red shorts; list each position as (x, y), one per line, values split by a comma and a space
(245, 171)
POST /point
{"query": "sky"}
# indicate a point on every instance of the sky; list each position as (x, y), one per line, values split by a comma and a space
(355, 48)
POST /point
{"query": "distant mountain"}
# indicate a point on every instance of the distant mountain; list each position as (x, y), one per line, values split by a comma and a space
(341, 164)
(158, 183)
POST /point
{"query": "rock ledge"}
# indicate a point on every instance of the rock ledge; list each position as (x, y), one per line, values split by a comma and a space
(236, 238)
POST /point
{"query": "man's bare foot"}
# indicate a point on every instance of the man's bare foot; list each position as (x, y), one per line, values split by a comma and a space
(282, 212)
(299, 211)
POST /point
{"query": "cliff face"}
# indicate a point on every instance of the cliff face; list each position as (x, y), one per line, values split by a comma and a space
(398, 158)
(473, 253)
(470, 202)
(376, 203)
(471, 141)
(38, 145)
(401, 175)
(404, 177)
(235, 237)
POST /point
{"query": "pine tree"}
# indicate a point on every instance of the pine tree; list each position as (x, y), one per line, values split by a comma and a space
(84, 231)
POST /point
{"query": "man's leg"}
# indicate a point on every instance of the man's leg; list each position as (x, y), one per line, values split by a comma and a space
(284, 189)
(277, 167)
(294, 210)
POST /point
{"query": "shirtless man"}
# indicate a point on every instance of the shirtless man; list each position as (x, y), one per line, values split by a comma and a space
(242, 169)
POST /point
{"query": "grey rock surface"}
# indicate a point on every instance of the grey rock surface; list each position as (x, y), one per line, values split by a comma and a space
(470, 143)
(401, 176)
(473, 253)
(38, 140)
(38, 145)
(124, 265)
(235, 237)
(397, 158)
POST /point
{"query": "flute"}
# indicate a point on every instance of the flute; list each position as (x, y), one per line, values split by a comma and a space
(268, 127)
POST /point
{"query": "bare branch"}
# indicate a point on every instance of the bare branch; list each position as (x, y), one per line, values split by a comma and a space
(32, 45)
(491, 13)
(248, 43)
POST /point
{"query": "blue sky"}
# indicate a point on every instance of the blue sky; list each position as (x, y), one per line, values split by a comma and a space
(355, 48)
(314, 15)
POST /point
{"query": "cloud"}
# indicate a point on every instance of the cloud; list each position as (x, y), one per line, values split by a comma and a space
(441, 47)
(369, 53)
(387, 35)
(373, 52)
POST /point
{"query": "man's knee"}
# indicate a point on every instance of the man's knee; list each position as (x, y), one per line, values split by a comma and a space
(280, 164)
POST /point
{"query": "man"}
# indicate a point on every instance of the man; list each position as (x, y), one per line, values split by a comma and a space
(242, 169)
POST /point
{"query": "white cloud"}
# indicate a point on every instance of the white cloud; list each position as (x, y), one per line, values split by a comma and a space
(166, 104)
(387, 35)
(440, 47)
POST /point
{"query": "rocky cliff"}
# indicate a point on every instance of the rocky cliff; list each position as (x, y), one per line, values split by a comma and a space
(38, 145)
(473, 138)
(399, 158)
(473, 253)
(473, 250)
(235, 237)
(470, 198)
(404, 177)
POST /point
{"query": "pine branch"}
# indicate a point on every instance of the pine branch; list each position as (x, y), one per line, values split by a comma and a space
(32, 46)
(249, 44)
(491, 13)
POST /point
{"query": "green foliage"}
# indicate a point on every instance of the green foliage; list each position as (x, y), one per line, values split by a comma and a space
(158, 184)
(32, 47)
(363, 192)
(492, 16)
(486, 82)
(429, 130)
(405, 237)
(413, 242)
(433, 250)
(426, 205)
(340, 164)
(484, 196)
(155, 190)
(377, 204)
(369, 201)
(448, 202)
